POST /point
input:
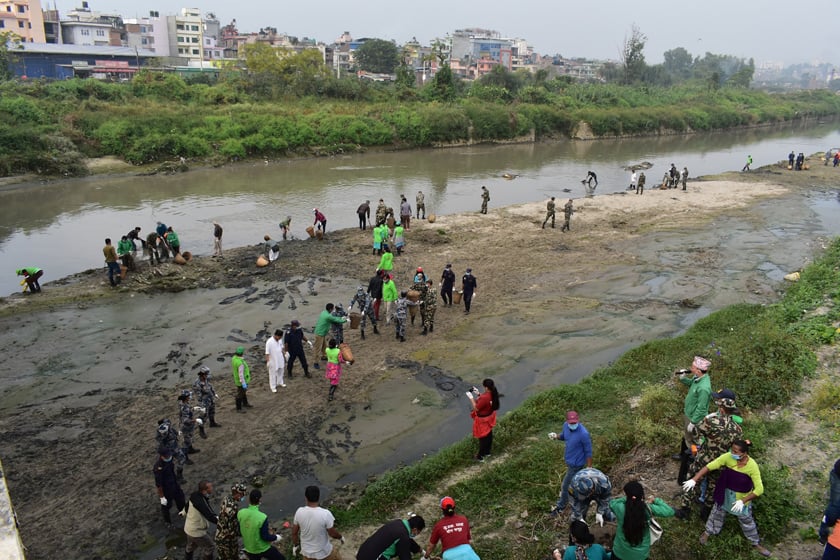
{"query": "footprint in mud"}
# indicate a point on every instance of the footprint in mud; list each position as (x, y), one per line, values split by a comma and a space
(243, 295)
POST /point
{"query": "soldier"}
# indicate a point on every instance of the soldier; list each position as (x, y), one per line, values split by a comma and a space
(152, 241)
(485, 198)
(567, 215)
(381, 213)
(401, 313)
(447, 282)
(684, 176)
(227, 529)
(420, 203)
(206, 395)
(428, 308)
(419, 285)
(714, 434)
(365, 305)
(284, 226)
(587, 485)
(640, 186)
(337, 329)
(189, 422)
(168, 489)
(675, 176)
(550, 207)
(167, 438)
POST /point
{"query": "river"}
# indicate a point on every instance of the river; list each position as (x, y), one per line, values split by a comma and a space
(61, 226)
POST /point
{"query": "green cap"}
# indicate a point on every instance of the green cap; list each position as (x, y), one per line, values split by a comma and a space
(19, 271)
(240, 350)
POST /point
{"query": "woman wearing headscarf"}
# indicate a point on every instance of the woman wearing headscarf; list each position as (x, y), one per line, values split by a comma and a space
(633, 513)
(483, 413)
(738, 485)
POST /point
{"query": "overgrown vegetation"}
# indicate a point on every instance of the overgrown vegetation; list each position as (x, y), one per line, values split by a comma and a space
(291, 105)
(633, 408)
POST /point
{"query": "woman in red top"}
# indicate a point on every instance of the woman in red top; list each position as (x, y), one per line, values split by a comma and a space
(484, 417)
(453, 532)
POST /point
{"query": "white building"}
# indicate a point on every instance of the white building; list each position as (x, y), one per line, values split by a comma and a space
(186, 34)
(149, 33)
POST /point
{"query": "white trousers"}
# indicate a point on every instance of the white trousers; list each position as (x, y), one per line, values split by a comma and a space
(275, 374)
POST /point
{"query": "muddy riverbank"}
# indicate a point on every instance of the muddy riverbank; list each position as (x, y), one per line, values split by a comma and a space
(95, 367)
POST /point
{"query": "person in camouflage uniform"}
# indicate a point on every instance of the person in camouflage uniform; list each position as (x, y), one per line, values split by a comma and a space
(419, 285)
(381, 212)
(550, 208)
(428, 307)
(485, 198)
(420, 204)
(188, 422)
(568, 210)
(206, 396)
(167, 438)
(365, 306)
(587, 485)
(337, 329)
(401, 314)
(714, 434)
(227, 529)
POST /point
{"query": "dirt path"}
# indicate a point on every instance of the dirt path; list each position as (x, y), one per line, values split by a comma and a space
(86, 446)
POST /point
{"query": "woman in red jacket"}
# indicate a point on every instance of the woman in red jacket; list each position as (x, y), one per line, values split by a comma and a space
(484, 417)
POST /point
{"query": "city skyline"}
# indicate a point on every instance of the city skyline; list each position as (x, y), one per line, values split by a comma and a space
(733, 28)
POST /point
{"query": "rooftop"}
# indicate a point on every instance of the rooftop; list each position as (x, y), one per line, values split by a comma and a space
(92, 50)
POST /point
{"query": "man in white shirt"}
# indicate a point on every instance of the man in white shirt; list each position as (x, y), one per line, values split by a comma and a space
(313, 529)
(275, 360)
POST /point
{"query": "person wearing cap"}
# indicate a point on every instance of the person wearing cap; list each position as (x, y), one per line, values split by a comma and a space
(275, 360)
(420, 204)
(364, 303)
(389, 295)
(386, 262)
(714, 435)
(395, 539)
(313, 527)
(453, 534)
(469, 284)
(188, 422)
(293, 341)
(447, 282)
(284, 226)
(320, 220)
(428, 308)
(591, 485)
(633, 514)
(568, 210)
(217, 239)
(577, 455)
(363, 212)
(695, 407)
(206, 395)
(257, 537)
(420, 286)
(167, 438)
(399, 237)
(405, 213)
(322, 329)
(168, 490)
(227, 529)
(200, 515)
(31, 274)
(375, 291)
(485, 198)
(337, 329)
(241, 379)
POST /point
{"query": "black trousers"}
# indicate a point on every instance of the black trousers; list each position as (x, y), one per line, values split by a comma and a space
(301, 356)
(446, 294)
(362, 221)
(485, 444)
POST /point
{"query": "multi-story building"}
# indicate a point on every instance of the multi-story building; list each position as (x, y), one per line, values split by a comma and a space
(150, 33)
(469, 46)
(85, 27)
(186, 34)
(24, 18)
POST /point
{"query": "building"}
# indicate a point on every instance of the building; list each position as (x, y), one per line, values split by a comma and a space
(60, 62)
(186, 34)
(150, 33)
(24, 18)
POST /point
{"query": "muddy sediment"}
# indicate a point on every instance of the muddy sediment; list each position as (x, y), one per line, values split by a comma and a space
(101, 366)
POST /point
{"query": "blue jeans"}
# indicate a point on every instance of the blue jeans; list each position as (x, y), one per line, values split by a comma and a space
(114, 269)
(564, 488)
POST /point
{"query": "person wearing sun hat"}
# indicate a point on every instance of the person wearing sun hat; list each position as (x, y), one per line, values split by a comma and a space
(695, 407)
(453, 533)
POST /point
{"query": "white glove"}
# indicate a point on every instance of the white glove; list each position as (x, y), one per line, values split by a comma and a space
(183, 512)
(277, 540)
(552, 435)
(200, 409)
(738, 506)
(287, 356)
(688, 485)
(599, 519)
(690, 427)
(163, 501)
(199, 421)
(474, 295)
(295, 550)
(342, 539)
(309, 342)
(215, 396)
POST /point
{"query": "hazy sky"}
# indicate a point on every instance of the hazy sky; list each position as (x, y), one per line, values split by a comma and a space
(766, 31)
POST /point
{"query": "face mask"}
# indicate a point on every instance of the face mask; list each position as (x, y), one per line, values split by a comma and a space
(573, 427)
(242, 499)
(735, 456)
(169, 460)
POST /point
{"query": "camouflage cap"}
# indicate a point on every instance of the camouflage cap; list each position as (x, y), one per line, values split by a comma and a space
(240, 488)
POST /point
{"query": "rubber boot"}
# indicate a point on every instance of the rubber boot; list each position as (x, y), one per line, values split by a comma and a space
(431, 328)
(201, 432)
(188, 555)
(213, 423)
(332, 392)
(683, 513)
(375, 330)
(704, 512)
(363, 334)
(179, 475)
(192, 450)
(402, 339)
(412, 320)
(425, 331)
(245, 402)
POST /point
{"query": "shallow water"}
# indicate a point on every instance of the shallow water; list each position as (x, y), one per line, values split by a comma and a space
(61, 227)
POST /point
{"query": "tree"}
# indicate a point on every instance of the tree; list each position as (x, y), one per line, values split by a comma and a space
(377, 55)
(501, 77)
(443, 85)
(8, 41)
(678, 63)
(296, 72)
(633, 56)
(405, 77)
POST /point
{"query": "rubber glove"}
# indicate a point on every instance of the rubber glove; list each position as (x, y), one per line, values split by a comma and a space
(245, 386)
(287, 356)
(688, 485)
(552, 435)
(295, 550)
(183, 512)
(738, 506)
(690, 427)
(199, 421)
(277, 540)
(342, 539)
(163, 501)
(309, 342)
(599, 519)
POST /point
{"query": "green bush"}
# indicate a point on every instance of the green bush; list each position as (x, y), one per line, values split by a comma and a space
(21, 111)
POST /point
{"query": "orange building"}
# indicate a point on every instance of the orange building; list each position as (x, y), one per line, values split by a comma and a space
(24, 18)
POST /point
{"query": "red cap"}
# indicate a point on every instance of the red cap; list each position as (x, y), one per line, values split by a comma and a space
(419, 269)
(447, 502)
(572, 417)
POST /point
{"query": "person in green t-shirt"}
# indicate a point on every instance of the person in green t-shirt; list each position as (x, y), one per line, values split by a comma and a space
(31, 274)
(257, 537)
